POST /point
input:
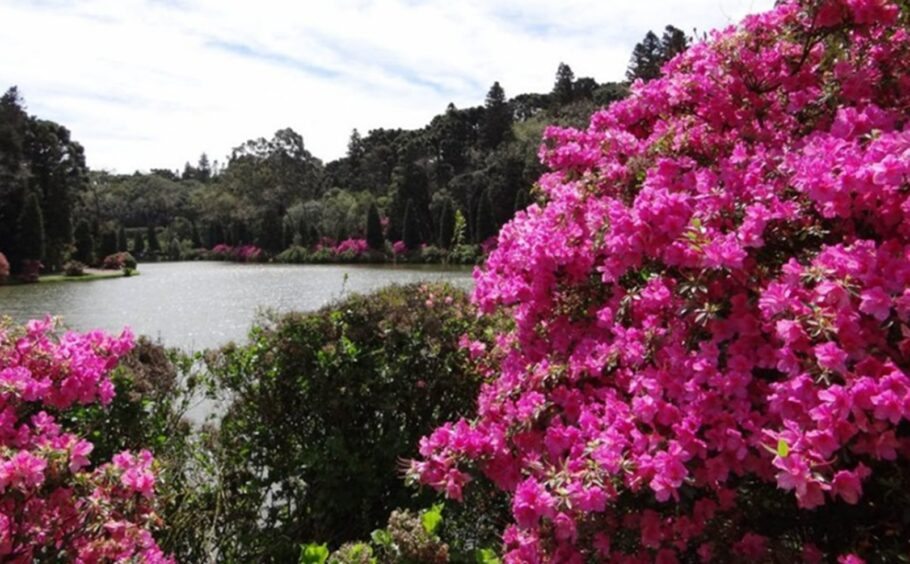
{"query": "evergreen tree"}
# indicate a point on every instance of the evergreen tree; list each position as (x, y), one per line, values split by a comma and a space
(31, 229)
(215, 234)
(485, 224)
(497, 118)
(174, 252)
(375, 239)
(138, 244)
(85, 243)
(562, 89)
(108, 243)
(446, 225)
(194, 235)
(57, 174)
(647, 57)
(271, 234)
(672, 42)
(122, 244)
(13, 172)
(411, 235)
(203, 170)
(152, 238)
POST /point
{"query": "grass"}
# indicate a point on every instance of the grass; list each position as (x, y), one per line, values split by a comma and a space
(89, 276)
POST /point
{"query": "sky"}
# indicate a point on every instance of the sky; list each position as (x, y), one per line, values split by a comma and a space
(154, 83)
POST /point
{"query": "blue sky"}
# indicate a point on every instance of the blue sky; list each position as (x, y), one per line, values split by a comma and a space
(153, 83)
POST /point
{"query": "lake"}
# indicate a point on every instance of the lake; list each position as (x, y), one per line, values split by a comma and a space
(198, 305)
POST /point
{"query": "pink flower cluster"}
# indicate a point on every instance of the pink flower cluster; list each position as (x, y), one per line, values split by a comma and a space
(399, 248)
(53, 504)
(242, 253)
(354, 247)
(714, 294)
(4, 267)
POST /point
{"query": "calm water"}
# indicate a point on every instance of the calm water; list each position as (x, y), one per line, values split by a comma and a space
(197, 305)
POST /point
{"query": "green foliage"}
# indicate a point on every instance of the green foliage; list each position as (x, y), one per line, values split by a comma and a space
(314, 553)
(85, 243)
(651, 53)
(151, 236)
(31, 229)
(485, 224)
(563, 87)
(497, 120)
(411, 233)
(322, 409)
(375, 238)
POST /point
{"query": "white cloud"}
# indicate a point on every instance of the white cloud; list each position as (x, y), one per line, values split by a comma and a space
(154, 83)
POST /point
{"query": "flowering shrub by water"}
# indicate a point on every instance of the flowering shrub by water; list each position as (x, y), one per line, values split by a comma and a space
(712, 313)
(54, 504)
(242, 253)
(4, 267)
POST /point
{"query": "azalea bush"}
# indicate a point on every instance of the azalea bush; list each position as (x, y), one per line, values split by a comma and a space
(4, 267)
(56, 504)
(241, 253)
(119, 261)
(712, 314)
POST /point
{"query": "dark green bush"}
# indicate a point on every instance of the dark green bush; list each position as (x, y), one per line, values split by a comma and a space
(325, 407)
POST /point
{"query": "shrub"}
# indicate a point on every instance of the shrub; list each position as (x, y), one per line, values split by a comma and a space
(56, 504)
(119, 261)
(710, 352)
(154, 390)
(431, 254)
(4, 267)
(31, 271)
(323, 408)
(74, 268)
(294, 254)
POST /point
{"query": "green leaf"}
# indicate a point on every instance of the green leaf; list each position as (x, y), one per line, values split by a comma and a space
(783, 449)
(486, 556)
(381, 537)
(431, 518)
(314, 553)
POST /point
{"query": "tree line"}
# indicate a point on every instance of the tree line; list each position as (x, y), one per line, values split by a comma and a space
(455, 181)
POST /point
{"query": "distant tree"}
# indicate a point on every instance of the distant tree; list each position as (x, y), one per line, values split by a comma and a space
(165, 173)
(152, 238)
(446, 225)
(410, 183)
(584, 88)
(31, 229)
(375, 239)
(563, 87)
(203, 169)
(138, 244)
(652, 53)
(271, 234)
(647, 58)
(497, 120)
(411, 235)
(672, 42)
(122, 244)
(85, 243)
(215, 234)
(108, 244)
(57, 173)
(189, 172)
(195, 239)
(485, 224)
(13, 172)
(174, 252)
